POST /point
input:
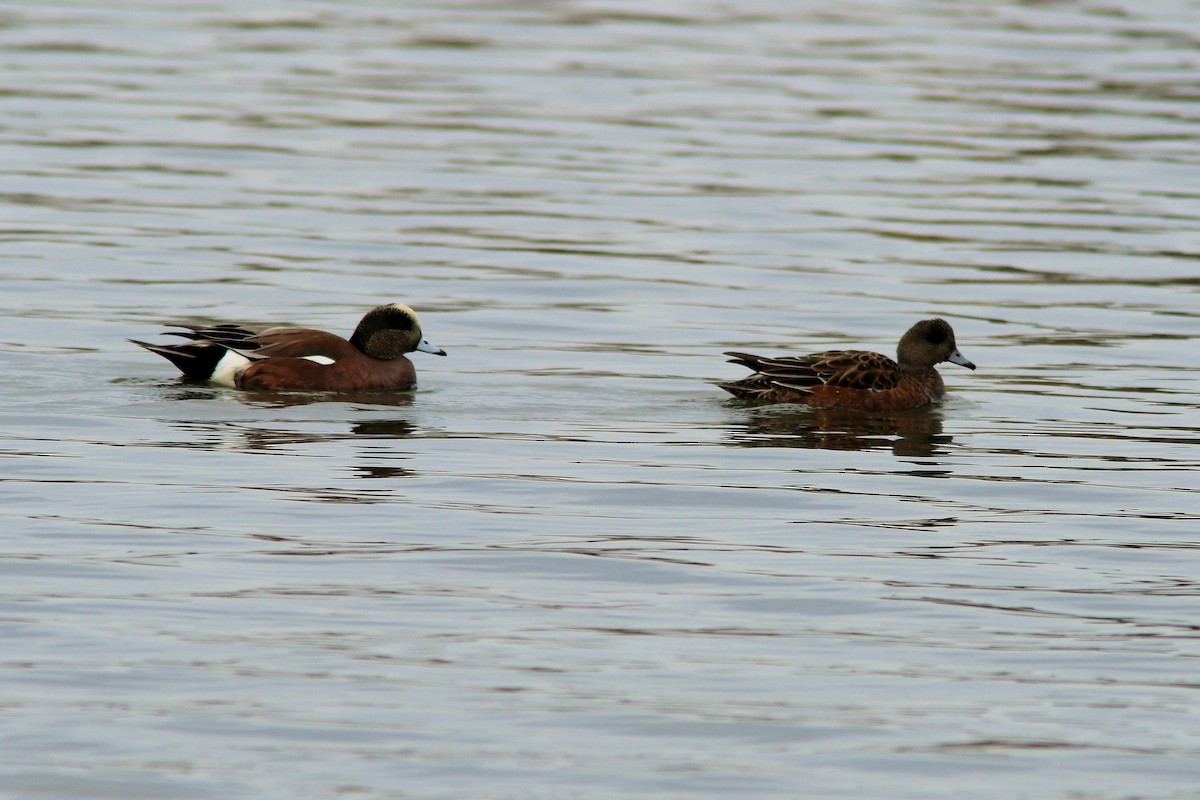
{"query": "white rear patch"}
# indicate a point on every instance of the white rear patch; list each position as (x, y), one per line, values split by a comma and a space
(226, 370)
(324, 361)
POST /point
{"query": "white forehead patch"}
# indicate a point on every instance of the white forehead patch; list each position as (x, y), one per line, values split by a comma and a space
(403, 309)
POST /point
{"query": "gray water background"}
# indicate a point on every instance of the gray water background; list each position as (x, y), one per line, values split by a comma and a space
(568, 566)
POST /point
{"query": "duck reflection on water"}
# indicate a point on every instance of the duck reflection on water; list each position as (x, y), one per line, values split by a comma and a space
(907, 433)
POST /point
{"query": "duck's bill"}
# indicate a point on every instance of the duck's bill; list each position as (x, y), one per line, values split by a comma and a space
(426, 347)
(958, 358)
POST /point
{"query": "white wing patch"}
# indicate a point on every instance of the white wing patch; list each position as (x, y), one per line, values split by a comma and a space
(324, 361)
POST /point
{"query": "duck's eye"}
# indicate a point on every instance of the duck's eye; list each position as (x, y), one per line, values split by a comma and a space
(935, 335)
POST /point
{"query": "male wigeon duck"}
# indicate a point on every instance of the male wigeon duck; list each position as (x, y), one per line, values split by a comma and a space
(856, 379)
(303, 359)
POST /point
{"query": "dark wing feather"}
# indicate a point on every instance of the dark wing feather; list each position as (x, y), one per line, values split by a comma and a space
(299, 343)
(226, 335)
(854, 369)
(279, 342)
(218, 334)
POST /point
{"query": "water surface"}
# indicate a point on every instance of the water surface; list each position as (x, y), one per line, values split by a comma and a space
(568, 565)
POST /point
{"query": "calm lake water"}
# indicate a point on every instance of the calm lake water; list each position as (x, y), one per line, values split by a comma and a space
(568, 566)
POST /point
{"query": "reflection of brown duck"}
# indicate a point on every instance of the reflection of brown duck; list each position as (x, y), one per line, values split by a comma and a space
(238, 436)
(855, 379)
(304, 359)
(908, 433)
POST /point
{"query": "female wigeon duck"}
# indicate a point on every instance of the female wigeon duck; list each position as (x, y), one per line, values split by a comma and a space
(303, 359)
(856, 379)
